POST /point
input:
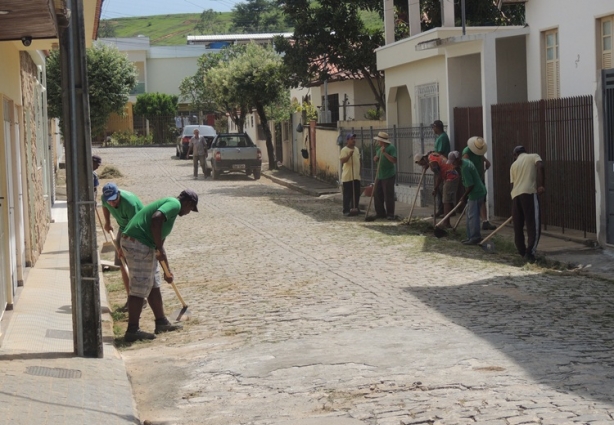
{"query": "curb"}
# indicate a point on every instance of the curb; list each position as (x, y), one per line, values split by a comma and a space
(293, 186)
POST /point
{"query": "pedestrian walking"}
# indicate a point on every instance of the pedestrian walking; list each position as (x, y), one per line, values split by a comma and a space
(442, 147)
(384, 198)
(143, 244)
(350, 174)
(474, 152)
(475, 192)
(198, 148)
(122, 205)
(528, 183)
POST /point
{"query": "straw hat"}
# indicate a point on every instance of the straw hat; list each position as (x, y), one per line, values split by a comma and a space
(382, 137)
(477, 145)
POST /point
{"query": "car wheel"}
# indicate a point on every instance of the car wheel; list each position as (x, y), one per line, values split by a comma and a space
(177, 152)
(248, 172)
(216, 174)
(256, 174)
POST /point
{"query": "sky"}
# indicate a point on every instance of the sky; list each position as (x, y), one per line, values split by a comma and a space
(126, 8)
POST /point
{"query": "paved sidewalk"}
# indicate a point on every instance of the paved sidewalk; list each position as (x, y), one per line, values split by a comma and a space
(571, 247)
(41, 381)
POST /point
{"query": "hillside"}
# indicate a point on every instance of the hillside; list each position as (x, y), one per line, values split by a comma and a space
(169, 30)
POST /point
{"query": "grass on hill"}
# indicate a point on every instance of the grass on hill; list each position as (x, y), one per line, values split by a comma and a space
(172, 30)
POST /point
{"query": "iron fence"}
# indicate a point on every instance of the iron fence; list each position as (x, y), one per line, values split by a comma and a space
(408, 141)
(561, 132)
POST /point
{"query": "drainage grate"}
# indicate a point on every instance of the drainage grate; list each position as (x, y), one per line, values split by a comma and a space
(58, 334)
(53, 372)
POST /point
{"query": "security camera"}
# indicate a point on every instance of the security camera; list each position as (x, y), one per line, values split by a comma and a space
(26, 41)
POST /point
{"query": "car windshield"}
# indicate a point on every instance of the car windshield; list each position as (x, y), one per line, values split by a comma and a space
(233, 142)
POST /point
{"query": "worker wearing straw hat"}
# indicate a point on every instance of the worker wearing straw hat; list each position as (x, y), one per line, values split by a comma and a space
(384, 201)
(474, 152)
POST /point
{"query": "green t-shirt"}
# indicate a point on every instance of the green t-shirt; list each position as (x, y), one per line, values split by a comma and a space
(472, 178)
(477, 160)
(129, 205)
(386, 168)
(140, 226)
(442, 144)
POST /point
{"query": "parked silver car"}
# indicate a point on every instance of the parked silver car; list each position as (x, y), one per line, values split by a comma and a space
(183, 141)
(234, 153)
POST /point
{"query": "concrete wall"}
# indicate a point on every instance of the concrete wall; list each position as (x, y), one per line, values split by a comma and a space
(577, 25)
(327, 154)
(165, 75)
(511, 70)
(408, 76)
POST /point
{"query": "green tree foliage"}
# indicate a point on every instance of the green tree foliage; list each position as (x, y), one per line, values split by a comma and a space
(160, 109)
(106, 29)
(257, 16)
(193, 90)
(210, 22)
(111, 78)
(252, 79)
(329, 34)
(213, 86)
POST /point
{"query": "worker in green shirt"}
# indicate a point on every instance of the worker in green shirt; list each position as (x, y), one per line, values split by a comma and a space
(475, 192)
(122, 205)
(386, 157)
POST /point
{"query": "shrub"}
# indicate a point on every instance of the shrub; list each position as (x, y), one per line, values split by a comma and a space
(128, 138)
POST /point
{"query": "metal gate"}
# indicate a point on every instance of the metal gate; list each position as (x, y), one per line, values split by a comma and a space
(561, 132)
(468, 122)
(607, 76)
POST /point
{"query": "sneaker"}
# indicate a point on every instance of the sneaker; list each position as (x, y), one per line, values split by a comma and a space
(138, 335)
(471, 242)
(124, 308)
(165, 326)
(391, 217)
(487, 226)
(529, 258)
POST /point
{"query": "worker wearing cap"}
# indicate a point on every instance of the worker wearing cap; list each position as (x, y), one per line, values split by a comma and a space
(122, 205)
(528, 180)
(350, 174)
(143, 244)
(446, 179)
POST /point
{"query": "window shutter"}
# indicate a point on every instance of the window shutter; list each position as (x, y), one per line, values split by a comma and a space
(550, 86)
(606, 59)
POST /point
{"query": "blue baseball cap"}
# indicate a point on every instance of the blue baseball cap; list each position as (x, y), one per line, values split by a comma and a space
(349, 136)
(110, 192)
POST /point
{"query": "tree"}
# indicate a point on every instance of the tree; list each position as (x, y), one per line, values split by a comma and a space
(209, 22)
(106, 29)
(160, 109)
(257, 16)
(218, 83)
(111, 77)
(252, 79)
(193, 90)
(330, 35)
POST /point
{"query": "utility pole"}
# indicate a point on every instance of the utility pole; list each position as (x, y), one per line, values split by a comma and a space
(85, 287)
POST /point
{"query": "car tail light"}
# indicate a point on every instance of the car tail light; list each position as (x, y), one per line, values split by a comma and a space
(259, 154)
(186, 139)
(218, 156)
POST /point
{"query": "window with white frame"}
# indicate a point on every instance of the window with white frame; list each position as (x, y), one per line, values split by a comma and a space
(606, 41)
(428, 102)
(553, 87)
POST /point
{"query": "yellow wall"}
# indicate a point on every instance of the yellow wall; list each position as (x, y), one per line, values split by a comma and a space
(10, 83)
(121, 123)
(327, 154)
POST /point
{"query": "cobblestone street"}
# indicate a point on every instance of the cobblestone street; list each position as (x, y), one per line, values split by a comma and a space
(301, 316)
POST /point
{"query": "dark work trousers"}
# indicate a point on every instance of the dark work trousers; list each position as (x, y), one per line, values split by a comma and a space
(384, 197)
(348, 192)
(525, 211)
(439, 199)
